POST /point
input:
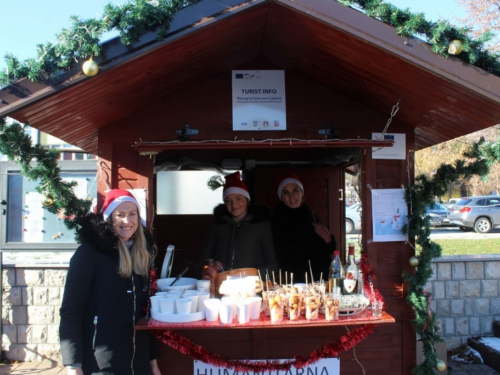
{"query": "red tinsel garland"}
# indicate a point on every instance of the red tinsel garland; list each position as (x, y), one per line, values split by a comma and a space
(343, 343)
(196, 352)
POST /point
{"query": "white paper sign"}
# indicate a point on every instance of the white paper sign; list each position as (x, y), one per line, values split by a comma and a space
(259, 100)
(325, 366)
(397, 151)
(389, 214)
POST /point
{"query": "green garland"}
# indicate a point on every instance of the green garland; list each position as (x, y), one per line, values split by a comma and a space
(81, 41)
(481, 156)
(40, 164)
(137, 17)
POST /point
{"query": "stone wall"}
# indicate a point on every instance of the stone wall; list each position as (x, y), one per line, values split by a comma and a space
(465, 296)
(466, 300)
(31, 297)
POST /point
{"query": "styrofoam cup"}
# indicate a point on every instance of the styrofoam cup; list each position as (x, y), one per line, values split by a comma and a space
(202, 297)
(212, 306)
(243, 309)
(183, 305)
(203, 285)
(255, 305)
(226, 312)
(155, 303)
(167, 306)
(194, 301)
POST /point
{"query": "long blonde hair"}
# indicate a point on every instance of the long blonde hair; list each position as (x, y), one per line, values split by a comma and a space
(138, 259)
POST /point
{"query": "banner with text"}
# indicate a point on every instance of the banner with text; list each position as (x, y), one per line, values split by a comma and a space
(259, 100)
(325, 366)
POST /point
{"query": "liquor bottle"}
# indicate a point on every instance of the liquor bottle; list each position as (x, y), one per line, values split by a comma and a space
(336, 274)
(349, 286)
(211, 273)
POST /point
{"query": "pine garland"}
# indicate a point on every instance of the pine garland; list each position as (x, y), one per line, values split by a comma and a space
(137, 17)
(39, 164)
(480, 155)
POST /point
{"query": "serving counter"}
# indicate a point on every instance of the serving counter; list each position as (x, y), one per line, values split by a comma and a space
(259, 340)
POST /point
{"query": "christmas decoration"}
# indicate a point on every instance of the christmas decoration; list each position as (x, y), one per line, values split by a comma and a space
(48, 200)
(90, 68)
(414, 261)
(455, 47)
(441, 365)
(40, 164)
(137, 17)
(196, 352)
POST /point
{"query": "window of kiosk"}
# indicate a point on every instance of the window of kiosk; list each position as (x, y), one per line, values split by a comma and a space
(186, 192)
(27, 225)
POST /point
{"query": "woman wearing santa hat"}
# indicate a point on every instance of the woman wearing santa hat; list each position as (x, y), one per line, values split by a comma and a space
(298, 236)
(241, 234)
(106, 292)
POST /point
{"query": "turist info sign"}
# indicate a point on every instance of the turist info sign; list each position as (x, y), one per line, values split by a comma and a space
(259, 100)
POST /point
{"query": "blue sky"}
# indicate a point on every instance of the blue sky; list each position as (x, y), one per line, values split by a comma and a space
(26, 23)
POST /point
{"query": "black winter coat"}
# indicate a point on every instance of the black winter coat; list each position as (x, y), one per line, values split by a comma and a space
(100, 308)
(296, 243)
(248, 243)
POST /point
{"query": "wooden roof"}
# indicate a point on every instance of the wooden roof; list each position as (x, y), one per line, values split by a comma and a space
(324, 41)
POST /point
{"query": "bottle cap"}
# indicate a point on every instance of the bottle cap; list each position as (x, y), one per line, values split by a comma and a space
(336, 253)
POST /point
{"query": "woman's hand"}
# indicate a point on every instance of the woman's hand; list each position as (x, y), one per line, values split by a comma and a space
(155, 370)
(74, 371)
(323, 232)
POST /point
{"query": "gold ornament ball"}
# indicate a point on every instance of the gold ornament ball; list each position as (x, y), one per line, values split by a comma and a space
(455, 47)
(48, 200)
(90, 68)
(414, 261)
(441, 365)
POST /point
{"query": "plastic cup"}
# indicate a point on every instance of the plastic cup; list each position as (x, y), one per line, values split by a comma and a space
(183, 305)
(332, 305)
(255, 305)
(275, 301)
(294, 302)
(377, 307)
(167, 306)
(160, 293)
(202, 297)
(226, 314)
(312, 303)
(230, 301)
(212, 306)
(244, 309)
(203, 285)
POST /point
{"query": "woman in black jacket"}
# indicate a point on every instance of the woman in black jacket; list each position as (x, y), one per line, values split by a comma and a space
(241, 234)
(298, 236)
(107, 291)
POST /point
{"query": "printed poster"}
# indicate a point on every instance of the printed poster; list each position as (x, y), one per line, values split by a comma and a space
(259, 100)
(389, 215)
(397, 151)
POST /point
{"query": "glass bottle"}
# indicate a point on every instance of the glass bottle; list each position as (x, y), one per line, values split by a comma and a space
(349, 286)
(336, 274)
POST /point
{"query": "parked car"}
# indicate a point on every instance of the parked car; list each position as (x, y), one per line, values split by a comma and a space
(450, 203)
(479, 213)
(439, 215)
(353, 217)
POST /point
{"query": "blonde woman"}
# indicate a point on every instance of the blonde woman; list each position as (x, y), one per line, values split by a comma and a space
(107, 288)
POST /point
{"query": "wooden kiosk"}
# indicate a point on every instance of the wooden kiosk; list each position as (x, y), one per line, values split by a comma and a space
(344, 72)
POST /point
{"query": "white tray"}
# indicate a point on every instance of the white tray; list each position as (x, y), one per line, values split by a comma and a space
(178, 318)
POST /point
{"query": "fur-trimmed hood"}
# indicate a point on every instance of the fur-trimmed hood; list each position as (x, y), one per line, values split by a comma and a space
(256, 214)
(100, 234)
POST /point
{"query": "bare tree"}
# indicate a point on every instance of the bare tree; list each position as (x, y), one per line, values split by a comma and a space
(483, 16)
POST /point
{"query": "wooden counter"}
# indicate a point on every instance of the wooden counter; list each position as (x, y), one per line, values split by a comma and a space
(262, 339)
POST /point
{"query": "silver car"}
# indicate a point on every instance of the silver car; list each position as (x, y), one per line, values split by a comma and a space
(479, 213)
(353, 217)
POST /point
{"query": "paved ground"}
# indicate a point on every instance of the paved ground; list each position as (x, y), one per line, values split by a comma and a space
(52, 368)
(468, 369)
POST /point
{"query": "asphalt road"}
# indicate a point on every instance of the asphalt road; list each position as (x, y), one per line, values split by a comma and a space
(445, 233)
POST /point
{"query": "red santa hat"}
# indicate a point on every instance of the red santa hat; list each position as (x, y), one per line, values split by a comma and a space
(290, 178)
(234, 185)
(114, 198)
